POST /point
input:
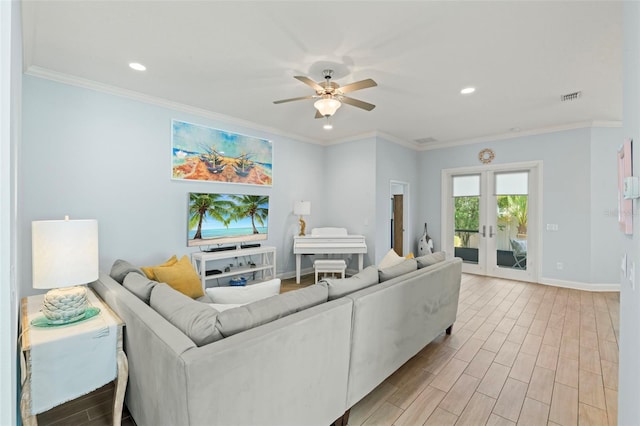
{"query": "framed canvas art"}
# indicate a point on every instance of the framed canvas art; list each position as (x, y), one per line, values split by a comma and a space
(206, 154)
(625, 207)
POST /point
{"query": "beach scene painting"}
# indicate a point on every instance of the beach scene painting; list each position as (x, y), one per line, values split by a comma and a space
(207, 154)
(226, 218)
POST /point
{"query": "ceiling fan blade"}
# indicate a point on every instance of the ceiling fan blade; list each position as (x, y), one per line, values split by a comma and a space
(293, 99)
(363, 84)
(318, 115)
(309, 82)
(357, 103)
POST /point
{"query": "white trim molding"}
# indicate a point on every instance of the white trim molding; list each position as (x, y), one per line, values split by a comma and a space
(576, 285)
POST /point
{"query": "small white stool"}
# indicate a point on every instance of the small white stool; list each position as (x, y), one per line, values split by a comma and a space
(333, 266)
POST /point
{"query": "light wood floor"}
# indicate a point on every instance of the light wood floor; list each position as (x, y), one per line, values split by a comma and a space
(520, 353)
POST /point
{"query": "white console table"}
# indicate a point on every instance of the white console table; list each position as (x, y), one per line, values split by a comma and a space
(265, 264)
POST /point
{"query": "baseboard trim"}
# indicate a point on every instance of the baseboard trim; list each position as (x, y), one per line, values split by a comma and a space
(292, 274)
(576, 285)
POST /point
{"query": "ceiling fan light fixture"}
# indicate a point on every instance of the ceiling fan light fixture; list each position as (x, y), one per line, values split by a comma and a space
(327, 125)
(327, 106)
(467, 90)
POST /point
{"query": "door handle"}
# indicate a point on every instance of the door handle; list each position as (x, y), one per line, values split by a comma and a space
(491, 233)
(484, 231)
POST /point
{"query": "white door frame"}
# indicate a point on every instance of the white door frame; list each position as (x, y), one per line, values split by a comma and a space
(532, 273)
(406, 248)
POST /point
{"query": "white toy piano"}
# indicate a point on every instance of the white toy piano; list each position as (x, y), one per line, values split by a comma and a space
(328, 241)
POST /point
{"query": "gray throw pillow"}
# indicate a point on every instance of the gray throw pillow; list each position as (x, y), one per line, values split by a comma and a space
(121, 268)
(196, 320)
(236, 320)
(339, 287)
(430, 259)
(405, 267)
(139, 285)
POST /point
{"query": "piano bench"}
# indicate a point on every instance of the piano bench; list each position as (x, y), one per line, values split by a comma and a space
(333, 266)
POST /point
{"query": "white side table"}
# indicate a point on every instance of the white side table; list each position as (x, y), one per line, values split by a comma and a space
(62, 340)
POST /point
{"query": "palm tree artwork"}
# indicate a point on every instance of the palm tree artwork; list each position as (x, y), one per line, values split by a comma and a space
(203, 205)
(227, 217)
(253, 206)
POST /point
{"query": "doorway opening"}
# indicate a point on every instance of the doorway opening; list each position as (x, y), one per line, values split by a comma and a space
(399, 205)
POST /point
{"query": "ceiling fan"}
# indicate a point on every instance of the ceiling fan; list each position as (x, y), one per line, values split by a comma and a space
(331, 96)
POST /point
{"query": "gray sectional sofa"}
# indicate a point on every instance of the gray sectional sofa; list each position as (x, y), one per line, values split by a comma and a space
(304, 365)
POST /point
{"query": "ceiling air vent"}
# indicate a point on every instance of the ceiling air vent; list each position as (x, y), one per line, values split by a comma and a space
(570, 96)
(426, 140)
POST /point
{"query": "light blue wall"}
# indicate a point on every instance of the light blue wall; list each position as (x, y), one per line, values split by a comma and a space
(575, 189)
(94, 155)
(629, 386)
(350, 191)
(394, 162)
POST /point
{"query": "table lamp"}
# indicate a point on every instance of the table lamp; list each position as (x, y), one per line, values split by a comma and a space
(64, 256)
(302, 208)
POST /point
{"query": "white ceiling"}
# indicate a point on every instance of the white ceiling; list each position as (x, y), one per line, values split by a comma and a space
(236, 57)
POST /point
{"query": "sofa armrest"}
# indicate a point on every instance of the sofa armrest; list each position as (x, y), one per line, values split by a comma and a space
(292, 371)
(396, 319)
(153, 347)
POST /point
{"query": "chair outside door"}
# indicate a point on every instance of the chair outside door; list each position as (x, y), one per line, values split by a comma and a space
(519, 248)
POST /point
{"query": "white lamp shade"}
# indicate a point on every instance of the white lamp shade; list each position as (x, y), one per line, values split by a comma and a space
(302, 208)
(64, 252)
(327, 106)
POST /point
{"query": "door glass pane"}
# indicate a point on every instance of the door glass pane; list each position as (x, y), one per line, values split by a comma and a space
(466, 210)
(512, 183)
(466, 185)
(512, 212)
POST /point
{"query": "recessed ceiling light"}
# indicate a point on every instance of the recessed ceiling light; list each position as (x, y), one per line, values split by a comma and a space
(468, 90)
(136, 66)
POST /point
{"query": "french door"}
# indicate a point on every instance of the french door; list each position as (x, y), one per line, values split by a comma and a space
(490, 219)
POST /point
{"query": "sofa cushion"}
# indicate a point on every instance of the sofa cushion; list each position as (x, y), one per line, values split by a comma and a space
(430, 259)
(407, 265)
(244, 294)
(121, 268)
(181, 276)
(196, 320)
(139, 285)
(339, 287)
(390, 259)
(236, 320)
(148, 270)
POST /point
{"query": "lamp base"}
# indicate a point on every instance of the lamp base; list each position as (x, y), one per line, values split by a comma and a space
(64, 305)
(303, 225)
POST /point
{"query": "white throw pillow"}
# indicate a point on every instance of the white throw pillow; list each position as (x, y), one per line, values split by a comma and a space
(390, 259)
(244, 294)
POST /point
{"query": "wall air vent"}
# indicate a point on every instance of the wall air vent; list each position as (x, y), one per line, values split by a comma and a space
(570, 96)
(426, 140)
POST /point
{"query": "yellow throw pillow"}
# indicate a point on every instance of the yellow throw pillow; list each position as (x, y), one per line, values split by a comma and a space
(181, 276)
(409, 256)
(148, 270)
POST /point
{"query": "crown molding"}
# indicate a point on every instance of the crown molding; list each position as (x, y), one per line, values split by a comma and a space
(513, 135)
(72, 80)
(165, 103)
(376, 134)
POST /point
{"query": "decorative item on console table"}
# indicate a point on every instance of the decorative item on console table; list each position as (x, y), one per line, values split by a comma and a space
(265, 267)
(302, 208)
(62, 363)
(64, 256)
